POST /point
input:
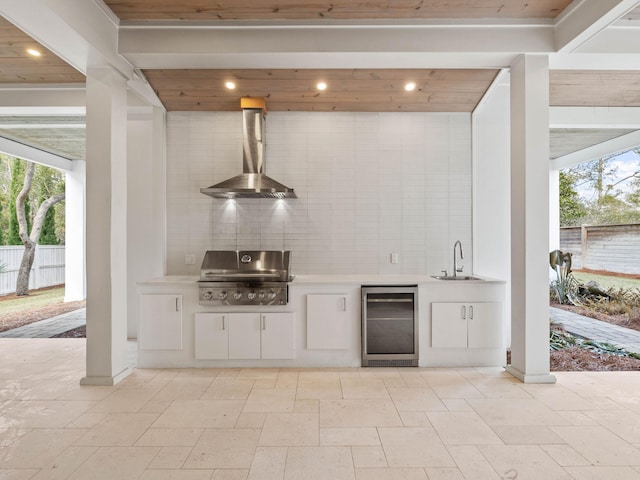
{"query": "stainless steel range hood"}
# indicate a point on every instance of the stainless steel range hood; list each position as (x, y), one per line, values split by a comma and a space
(252, 183)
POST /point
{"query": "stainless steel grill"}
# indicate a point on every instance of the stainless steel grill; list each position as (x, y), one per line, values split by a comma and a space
(246, 277)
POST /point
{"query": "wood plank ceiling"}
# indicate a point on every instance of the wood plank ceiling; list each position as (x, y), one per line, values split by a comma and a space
(18, 66)
(347, 90)
(591, 88)
(332, 9)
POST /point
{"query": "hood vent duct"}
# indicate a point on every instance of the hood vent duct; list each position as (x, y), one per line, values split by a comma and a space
(252, 183)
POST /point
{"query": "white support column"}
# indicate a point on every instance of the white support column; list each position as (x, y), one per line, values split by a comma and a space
(146, 212)
(106, 227)
(75, 286)
(530, 219)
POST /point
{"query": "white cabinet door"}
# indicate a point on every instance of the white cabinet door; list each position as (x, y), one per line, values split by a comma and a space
(244, 336)
(328, 322)
(277, 335)
(211, 336)
(448, 325)
(466, 325)
(160, 322)
(484, 322)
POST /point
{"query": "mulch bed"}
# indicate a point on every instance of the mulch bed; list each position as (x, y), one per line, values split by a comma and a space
(9, 321)
(620, 320)
(576, 359)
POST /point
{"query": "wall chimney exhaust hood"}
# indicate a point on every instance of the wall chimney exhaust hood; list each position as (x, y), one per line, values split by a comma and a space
(252, 183)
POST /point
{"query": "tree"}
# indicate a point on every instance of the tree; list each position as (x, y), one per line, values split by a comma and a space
(5, 180)
(572, 209)
(30, 240)
(607, 204)
(48, 232)
(17, 181)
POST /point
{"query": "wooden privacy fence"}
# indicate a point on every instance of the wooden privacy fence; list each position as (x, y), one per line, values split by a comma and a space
(47, 270)
(611, 248)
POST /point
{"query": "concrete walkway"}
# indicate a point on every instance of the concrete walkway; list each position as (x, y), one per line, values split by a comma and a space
(596, 330)
(49, 327)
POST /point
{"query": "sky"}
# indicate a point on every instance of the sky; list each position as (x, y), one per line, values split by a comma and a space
(627, 163)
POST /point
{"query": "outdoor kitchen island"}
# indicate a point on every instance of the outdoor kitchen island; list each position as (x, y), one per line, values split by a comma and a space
(461, 323)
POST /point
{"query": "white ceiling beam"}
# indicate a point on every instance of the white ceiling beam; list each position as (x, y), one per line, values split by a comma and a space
(587, 18)
(333, 46)
(78, 32)
(42, 96)
(83, 33)
(594, 117)
(610, 147)
(615, 39)
(26, 152)
(594, 61)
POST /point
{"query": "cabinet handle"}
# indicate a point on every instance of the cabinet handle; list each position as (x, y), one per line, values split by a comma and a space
(344, 304)
(177, 304)
(264, 323)
(471, 312)
(464, 312)
(223, 319)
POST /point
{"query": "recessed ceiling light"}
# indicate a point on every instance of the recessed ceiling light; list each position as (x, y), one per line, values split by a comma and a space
(230, 85)
(410, 86)
(321, 86)
(33, 52)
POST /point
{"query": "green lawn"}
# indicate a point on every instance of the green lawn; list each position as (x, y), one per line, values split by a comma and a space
(608, 281)
(32, 301)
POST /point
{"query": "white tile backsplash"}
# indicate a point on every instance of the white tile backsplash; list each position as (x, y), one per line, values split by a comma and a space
(368, 184)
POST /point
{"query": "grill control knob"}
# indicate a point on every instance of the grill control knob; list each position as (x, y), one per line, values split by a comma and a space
(237, 295)
(251, 295)
(207, 295)
(222, 295)
(271, 295)
(261, 295)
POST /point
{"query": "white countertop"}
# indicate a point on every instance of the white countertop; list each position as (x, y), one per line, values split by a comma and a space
(358, 279)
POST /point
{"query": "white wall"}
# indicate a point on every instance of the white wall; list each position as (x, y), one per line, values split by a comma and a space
(491, 184)
(368, 184)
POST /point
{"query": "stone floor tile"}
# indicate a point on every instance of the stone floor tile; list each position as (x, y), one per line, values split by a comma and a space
(118, 429)
(462, 428)
(200, 414)
(290, 429)
(176, 475)
(599, 445)
(349, 436)
(319, 463)
(170, 437)
(414, 447)
(363, 388)
(524, 462)
(108, 463)
(268, 463)
(501, 412)
(368, 456)
(528, 435)
(391, 474)
(358, 413)
(600, 473)
(472, 464)
(444, 474)
(275, 400)
(220, 448)
(170, 457)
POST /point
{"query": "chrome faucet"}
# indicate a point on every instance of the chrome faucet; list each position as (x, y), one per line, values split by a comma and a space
(457, 270)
